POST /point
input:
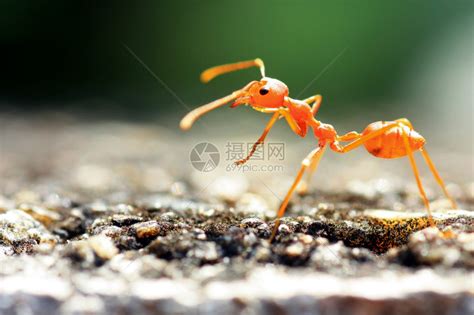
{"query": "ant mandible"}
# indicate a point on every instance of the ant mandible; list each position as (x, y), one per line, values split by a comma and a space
(383, 139)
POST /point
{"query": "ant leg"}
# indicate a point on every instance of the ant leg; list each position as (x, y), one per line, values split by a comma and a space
(398, 123)
(276, 115)
(417, 175)
(438, 177)
(261, 139)
(317, 99)
(213, 72)
(406, 122)
(313, 155)
(284, 112)
(361, 139)
(350, 136)
(432, 167)
(311, 169)
(299, 130)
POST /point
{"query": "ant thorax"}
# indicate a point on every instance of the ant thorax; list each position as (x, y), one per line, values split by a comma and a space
(325, 132)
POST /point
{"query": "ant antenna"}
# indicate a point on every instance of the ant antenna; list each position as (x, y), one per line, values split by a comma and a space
(213, 72)
(188, 120)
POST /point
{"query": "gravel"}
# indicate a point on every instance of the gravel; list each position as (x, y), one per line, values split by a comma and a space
(86, 229)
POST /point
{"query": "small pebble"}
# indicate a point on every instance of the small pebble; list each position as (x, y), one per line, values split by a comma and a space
(251, 222)
(18, 228)
(109, 230)
(199, 234)
(103, 246)
(250, 239)
(125, 219)
(205, 252)
(305, 239)
(146, 229)
(321, 241)
(284, 229)
(168, 216)
(295, 249)
(41, 214)
(262, 254)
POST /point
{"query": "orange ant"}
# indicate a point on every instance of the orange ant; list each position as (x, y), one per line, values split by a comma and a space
(383, 139)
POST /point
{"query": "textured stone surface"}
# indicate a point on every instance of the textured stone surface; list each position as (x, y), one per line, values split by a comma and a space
(105, 220)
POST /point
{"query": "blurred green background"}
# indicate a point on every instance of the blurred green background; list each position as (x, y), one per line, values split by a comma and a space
(138, 63)
(70, 55)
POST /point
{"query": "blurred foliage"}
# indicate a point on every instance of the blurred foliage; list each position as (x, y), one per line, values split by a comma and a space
(66, 52)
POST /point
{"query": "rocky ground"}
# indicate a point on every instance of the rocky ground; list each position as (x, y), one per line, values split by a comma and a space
(101, 218)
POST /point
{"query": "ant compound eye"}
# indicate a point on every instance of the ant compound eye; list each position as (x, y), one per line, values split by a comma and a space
(263, 91)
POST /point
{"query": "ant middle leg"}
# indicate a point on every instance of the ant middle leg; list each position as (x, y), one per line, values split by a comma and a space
(317, 99)
(314, 155)
(304, 186)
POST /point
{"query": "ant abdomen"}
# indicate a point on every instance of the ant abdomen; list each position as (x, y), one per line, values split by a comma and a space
(390, 144)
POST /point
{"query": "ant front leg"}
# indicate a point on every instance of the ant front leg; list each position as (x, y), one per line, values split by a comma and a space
(261, 139)
(277, 113)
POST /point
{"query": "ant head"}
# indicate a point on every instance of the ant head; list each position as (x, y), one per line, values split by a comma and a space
(268, 93)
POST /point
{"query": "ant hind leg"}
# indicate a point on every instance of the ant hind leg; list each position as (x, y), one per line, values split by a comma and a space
(432, 167)
(417, 176)
(438, 178)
